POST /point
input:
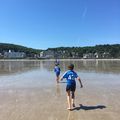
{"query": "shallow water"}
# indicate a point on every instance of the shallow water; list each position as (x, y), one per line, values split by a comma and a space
(33, 73)
(28, 90)
(100, 66)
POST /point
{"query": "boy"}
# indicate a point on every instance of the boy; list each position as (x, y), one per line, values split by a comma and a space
(57, 71)
(71, 76)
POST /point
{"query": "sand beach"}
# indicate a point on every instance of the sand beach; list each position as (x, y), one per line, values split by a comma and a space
(32, 93)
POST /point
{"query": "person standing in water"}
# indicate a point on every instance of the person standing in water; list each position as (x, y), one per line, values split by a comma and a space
(71, 76)
(57, 71)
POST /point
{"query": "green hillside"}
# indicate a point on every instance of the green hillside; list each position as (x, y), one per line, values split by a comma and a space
(5, 47)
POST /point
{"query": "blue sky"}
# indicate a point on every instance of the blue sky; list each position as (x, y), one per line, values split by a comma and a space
(46, 24)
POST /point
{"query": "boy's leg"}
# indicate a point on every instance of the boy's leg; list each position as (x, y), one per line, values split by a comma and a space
(69, 100)
(73, 88)
(73, 98)
(57, 79)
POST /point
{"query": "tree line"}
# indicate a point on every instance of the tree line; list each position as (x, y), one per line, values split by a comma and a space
(69, 52)
(65, 52)
(5, 47)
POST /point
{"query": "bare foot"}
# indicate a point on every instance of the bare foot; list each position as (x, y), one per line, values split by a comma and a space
(69, 109)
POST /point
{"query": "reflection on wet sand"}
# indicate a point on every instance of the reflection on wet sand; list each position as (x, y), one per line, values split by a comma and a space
(58, 90)
(34, 94)
(104, 66)
(70, 116)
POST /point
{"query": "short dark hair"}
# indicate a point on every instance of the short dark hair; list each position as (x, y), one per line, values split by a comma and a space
(56, 63)
(71, 67)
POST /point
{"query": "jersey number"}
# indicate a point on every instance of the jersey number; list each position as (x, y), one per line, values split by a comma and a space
(70, 77)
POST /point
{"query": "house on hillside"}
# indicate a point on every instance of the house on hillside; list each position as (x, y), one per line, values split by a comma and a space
(47, 54)
(106, 55)
(88, 56)
(1, 56)
(14, 55)
(98, 55)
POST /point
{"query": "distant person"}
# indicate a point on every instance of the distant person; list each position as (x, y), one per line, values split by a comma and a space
(57, 71)
(71, 76)
(57, 61)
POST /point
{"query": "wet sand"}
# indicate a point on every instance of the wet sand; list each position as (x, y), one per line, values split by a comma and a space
(49, 103)
(34, 95)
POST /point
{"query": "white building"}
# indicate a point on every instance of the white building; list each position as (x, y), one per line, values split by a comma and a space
(47, 54)
(14, 54)
(42, 54)
(88, 56)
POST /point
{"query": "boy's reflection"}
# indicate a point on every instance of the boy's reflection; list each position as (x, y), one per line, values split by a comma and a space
(58, 90)
(71, 116)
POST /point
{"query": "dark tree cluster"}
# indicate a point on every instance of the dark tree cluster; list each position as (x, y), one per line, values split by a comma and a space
(77, 52)
(5, 47)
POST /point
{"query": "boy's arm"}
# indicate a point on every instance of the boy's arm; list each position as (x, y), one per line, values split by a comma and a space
(80, 81)
(61, 78)
(54, 70)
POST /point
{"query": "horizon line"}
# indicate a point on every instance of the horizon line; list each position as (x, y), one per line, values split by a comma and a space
(60, 46)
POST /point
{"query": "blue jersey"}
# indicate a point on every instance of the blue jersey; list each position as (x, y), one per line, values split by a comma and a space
(70, 76)
(57, 69)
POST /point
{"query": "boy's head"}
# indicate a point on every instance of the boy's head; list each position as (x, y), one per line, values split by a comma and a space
(56, 64)
(71, 67)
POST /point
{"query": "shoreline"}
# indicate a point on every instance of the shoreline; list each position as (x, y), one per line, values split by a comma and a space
(60, 59)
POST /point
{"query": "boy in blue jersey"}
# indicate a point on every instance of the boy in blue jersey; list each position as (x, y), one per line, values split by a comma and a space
(71, 76)
(57, 71)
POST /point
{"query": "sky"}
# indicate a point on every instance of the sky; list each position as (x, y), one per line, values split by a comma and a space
(43, 24)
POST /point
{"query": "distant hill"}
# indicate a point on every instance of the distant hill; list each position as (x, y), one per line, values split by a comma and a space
(98, 51)
(5, 47)
(110, 51)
